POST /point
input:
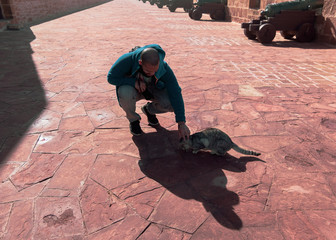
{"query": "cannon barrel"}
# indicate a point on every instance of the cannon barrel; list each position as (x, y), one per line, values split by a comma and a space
(275, 8)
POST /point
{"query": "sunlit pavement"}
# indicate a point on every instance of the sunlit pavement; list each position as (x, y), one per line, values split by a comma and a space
(70, 169)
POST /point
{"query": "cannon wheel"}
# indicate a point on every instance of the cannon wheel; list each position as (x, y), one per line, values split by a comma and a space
(196, 14)
(306, 33)
(159, 5)
(249, 34)
(172, 8)
(217, 15)
(287, 34)
(151, 2)
(190, 12)
(213, 16)
(144, 1)
(266, 33)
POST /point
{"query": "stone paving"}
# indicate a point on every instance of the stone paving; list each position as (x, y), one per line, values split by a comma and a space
(70, 169)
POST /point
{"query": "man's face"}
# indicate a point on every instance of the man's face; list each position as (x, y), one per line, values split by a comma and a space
(148, 69)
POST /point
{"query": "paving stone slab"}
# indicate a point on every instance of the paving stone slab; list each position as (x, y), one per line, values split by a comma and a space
(129, 228)
(143, 185)
(155, 231)
(112, 171)
(278, 99)
(73, 172)
(100, 208)
(79, 123)
(99, 142)
(212, 230)
(5, 210)
(320, 221)
(39, 168)
(9, 192)
(177, 203)
(21, 222)
(57, 142)
(57, 218)
(144, 203)
(298, 230)
(300, 191)
(16, 149)
(6, 170)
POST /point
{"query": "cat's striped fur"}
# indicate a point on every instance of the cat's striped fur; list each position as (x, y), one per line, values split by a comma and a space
(214, 140)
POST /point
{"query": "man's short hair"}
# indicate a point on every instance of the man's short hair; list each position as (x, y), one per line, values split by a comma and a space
(150, 55)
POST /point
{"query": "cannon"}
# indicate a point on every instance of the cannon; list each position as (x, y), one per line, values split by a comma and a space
(216, 9)
(161, 3)
(151, 2)
(185, 4)
(293, 18)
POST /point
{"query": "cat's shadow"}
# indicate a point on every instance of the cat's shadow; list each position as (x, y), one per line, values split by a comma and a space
(191, 176)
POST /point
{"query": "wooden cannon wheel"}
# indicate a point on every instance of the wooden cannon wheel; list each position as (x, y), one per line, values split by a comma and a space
(217, 15)
(306, 33)
(196, 14)
(266, 33)
(249, 34)
(287, 34)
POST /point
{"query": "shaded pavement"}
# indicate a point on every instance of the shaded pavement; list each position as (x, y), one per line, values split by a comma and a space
(70, 169)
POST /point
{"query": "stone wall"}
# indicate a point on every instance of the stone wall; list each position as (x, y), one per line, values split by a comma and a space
(246, 10)
(326, 24)
(27, 12)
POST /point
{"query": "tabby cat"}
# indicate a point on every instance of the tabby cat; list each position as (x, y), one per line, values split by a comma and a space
(214, 140)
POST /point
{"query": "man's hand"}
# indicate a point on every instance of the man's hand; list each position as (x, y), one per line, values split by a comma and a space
(140, 84)
(183, 130)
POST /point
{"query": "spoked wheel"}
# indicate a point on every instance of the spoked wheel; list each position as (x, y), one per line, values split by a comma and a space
(266, 33)
(159, 5)
(306, 33)
(249, 34)
(287, 34)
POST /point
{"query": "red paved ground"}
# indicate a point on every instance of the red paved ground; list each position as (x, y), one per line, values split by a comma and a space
(70, 169)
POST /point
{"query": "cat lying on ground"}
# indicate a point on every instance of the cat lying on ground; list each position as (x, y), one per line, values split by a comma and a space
(214, 140)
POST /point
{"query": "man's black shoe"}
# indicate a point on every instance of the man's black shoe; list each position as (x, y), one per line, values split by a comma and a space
(152, 120)
(135, 128)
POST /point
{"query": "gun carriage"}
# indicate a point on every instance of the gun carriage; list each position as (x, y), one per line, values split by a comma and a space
(293, 18)
(185, 4)
(216, 9)
(161, 3)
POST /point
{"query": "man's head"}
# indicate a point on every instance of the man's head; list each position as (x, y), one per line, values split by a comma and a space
(149, 61)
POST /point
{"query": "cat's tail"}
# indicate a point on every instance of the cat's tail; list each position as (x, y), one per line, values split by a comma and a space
(243, 151)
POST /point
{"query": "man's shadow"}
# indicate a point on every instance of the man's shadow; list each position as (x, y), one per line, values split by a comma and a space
(192, 176)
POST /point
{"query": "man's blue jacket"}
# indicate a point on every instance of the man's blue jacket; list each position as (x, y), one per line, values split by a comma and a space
(124, 70)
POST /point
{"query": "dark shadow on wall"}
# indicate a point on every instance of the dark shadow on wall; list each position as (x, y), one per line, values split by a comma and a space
(22, 97)
(192, 176)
